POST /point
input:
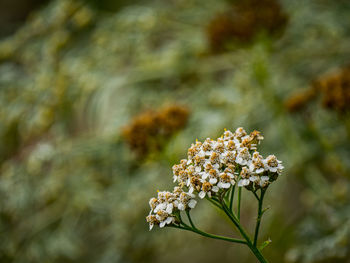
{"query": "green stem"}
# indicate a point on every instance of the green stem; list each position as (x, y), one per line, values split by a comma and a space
(232, 196)
(233, 240)
(256, 196)
(202, 233)
(213, 202)
(252, 247)
(239, 203)
(190, 219)
(258, 220)
(220, 203)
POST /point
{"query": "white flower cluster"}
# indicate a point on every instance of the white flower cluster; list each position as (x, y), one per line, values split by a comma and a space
(166, 204)
(213, 166)
(218, 164)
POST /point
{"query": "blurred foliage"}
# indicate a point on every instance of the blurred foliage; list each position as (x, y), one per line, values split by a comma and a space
(73, 76)
(14, 12)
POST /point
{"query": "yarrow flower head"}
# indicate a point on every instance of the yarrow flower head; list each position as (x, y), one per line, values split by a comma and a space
(211, 168)
(164, 207)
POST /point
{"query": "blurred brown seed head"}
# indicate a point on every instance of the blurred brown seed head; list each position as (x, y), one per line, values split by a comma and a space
(148, 131)
(243, 21)
(335, 90)
(173, 118)
(297, 101)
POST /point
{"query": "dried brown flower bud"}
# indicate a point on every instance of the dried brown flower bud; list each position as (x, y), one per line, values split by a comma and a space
(335, 89)
(243, 21)
(299, 100)
(148, 130)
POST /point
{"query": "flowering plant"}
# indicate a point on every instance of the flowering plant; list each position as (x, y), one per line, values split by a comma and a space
(212, 171)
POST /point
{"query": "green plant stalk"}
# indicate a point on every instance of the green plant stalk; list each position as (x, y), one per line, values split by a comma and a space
(202, 233)
(258, 220)
(232, 196)
(220, 203)
(195, 229)
(249, 243)
(239, 203)
(256, 196)
(213, 202)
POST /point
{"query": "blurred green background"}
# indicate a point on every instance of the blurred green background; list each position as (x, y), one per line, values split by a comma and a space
(98, 99)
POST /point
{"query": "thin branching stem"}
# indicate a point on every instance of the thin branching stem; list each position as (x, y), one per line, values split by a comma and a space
(258, 220)
(232, 196)
(219, 201)
(244, 234)
(190, 219)
(256, 196)
(239, 203)
(214, 202)
(194, 229)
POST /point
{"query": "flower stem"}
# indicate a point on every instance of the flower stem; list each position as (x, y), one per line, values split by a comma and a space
(232, 196)
(221, 204)
(190, 219)
(233, 240)
(258, 220)
(249, 243)
(202, 233)
(213, 202)
(239, 203)
(256, 196)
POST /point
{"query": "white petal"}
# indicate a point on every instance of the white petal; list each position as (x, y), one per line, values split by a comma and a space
(245, 182)
(169, 208)
(273, 169)
(162, 224)
(161, 206)
(181, 206)
(169, 220)
(198, 169)
(192, 203)
(264, 178)
(260, 170)
(253, 178)
(201, 153)
(150, 226)
(240, 183)
(201, 194)
(215, 189)
(213, 180)
(226, 185)
(205, 176)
